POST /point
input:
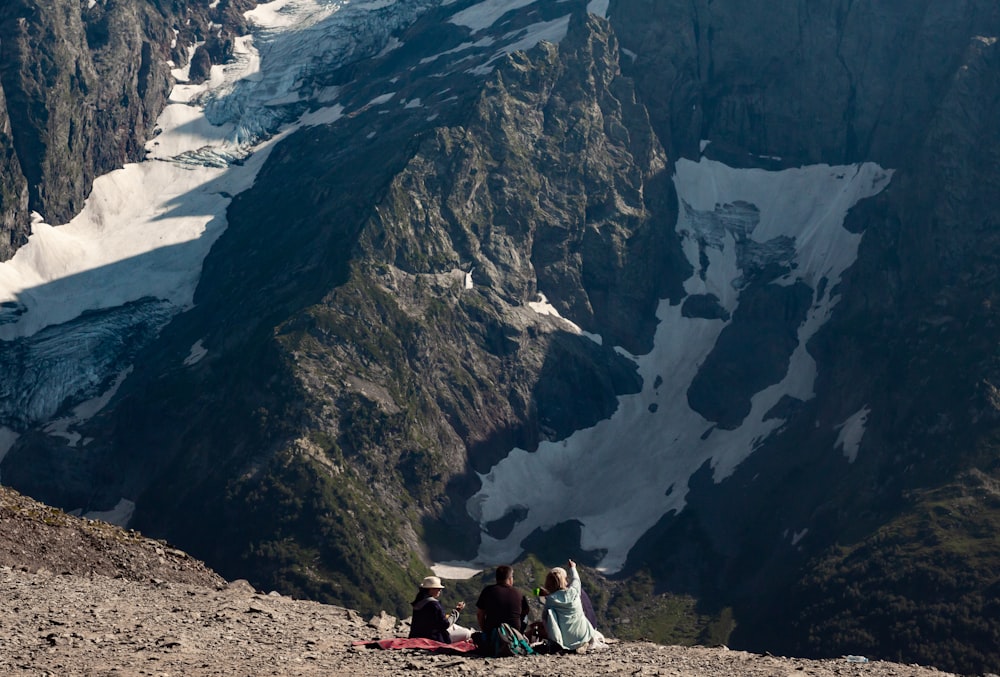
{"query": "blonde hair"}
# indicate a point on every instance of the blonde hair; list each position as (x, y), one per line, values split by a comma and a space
(556, 579)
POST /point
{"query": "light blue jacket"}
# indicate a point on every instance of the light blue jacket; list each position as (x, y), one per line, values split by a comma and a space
(564, 619)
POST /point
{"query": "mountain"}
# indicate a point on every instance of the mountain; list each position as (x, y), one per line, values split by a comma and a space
(699, 294)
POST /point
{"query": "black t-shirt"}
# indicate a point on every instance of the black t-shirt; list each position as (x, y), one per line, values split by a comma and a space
(502, 604)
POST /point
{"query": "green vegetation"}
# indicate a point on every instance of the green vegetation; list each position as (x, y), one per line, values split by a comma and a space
(925, 588)
(315, 535)
(636, 611)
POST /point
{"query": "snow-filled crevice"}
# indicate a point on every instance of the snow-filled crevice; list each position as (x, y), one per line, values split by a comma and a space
(619, 477)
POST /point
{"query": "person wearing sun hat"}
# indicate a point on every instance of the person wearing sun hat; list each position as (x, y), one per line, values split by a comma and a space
(429, 618)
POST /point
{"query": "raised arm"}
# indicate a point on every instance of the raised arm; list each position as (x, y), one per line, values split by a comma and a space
(574, 579)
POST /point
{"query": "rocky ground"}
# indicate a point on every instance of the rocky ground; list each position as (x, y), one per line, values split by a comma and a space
(79, 597)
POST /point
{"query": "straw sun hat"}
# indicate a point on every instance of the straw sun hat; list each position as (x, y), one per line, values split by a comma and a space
(431, 582)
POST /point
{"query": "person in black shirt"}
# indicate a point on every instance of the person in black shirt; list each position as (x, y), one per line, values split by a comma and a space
(501, 602)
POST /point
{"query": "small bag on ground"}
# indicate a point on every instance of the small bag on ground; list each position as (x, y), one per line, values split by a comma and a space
(508, 641)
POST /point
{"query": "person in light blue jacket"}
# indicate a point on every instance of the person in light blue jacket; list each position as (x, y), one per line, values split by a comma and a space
(565, 622)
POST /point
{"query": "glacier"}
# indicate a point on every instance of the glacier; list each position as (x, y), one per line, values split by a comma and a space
(80, 299)
(139, 243)
(621, 476)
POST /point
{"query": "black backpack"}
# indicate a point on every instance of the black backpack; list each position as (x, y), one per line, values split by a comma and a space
(506, 640)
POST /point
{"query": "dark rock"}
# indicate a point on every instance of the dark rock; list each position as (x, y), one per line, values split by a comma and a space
(751, 353)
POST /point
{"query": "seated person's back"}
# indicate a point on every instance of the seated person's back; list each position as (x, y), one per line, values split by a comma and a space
(501, 602)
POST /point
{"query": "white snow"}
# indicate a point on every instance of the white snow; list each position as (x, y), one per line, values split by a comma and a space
(392, 45)
(60, 427)
(598, 7)
(543, 307)
(287, 13)
(485, 14)
(799, 535)
(184, 74)
(454, 571)
(619, 477)
(482, 42)
(198, 351)
(552, 31)
(379, 100)
(850, 433)
(323, 116)
(145, 228)
(121, 514)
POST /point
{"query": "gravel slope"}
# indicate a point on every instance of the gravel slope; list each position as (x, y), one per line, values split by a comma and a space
(79, 597)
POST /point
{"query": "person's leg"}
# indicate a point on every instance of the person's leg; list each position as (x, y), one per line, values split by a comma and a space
(459, 634)
(597, 642)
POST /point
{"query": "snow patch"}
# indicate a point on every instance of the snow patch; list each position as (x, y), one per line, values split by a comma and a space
(543, 307)
(144, 229)
(198, 351)
(850, 433)
(323, 116)
(485, 14)
(550, 31)
(184, 74)
(483, 42)
(598, 7)
(456, 571)
(60, 427)
(379, 100)
(121, 514)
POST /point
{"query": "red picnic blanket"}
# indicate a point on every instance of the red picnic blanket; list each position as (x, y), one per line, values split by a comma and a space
(463, 647)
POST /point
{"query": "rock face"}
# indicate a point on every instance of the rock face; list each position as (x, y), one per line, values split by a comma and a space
(799, 83)
(13, 191)
(777, 84)
(82, 86)
(381, 329)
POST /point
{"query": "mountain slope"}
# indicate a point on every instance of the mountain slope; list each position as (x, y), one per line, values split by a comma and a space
(702, 294)
(106, 600)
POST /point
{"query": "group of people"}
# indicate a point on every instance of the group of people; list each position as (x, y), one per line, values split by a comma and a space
(567, 619)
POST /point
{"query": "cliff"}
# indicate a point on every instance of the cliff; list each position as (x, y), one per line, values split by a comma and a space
(83, 84)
